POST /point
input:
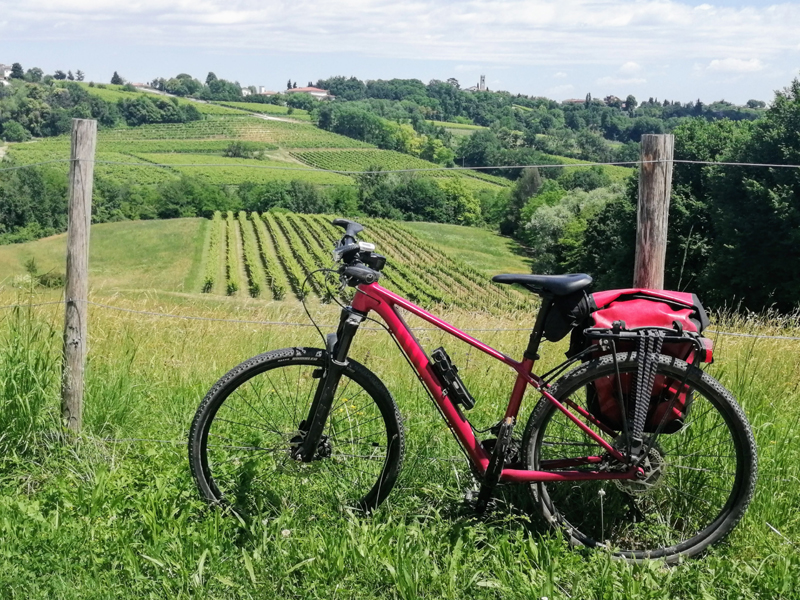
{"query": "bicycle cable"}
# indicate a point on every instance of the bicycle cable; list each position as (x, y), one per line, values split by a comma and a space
(419, 378)
(303, 300)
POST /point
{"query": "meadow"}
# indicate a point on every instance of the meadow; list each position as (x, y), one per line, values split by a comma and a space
(115, 514)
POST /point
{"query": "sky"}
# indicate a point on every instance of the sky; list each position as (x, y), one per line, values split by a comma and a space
(726, 49)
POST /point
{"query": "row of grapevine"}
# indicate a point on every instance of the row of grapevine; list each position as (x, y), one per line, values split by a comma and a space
(251, 256)
(231, 257)
(272, 271)
(293, 272)
(467, 275)
(280, 250)
(212, 252)
(316, 246)
(300, 253)
(396, 276)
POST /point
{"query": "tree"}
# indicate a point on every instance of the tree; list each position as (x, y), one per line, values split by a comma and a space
(60, 75)
(454, 82)
(70, 76)
(294, 85)
(630, 103)
(289, 84)
(17, 72)
(756, 104)
(116, 79)
(79, 76)
(14, 132)
(527, 185)
(34, 75)
(588, 102)
(210, 78)
(300, 100)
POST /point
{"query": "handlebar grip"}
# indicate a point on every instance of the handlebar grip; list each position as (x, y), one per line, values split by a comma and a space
(361, 274)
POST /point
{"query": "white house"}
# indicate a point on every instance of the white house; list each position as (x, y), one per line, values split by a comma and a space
(5, 73)
(315, 92)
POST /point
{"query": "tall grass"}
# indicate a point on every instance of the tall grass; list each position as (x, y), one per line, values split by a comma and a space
(29, 367)
(119, 518)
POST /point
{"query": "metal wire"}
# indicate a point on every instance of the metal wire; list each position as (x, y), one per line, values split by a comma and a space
(631, 163)
(37, 164)
(293, 324)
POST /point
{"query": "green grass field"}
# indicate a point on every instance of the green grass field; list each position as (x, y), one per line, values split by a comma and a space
(269, 109)
(116, 515)
(176, 255)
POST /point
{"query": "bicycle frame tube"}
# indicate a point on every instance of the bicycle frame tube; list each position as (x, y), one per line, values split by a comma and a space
(373, 297)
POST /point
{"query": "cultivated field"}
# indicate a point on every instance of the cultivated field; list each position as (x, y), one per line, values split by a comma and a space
(270, 255)
(281, 144)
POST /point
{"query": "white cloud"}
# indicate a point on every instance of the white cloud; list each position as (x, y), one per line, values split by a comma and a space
(735, 65)
(621, 81)
(561, 90)
(630, 68)
(507, 32)
(560, 75)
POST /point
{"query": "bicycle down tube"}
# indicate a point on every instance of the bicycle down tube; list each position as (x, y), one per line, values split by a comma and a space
(373, 297)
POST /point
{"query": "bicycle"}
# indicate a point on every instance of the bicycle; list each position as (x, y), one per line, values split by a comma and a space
(296, 422)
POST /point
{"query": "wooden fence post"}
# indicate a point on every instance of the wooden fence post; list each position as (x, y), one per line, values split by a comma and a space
(81, 174)
(655, 187)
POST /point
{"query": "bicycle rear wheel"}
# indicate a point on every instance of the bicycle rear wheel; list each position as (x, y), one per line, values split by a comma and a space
(242, 437)
(698, 480)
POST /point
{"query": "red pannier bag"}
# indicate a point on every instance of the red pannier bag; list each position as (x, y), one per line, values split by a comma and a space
(630, 310)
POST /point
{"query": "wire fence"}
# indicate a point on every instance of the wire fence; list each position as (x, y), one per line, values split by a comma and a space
(330, 325)
(633, 163)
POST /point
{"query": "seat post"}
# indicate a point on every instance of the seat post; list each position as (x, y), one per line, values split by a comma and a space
(532, 351)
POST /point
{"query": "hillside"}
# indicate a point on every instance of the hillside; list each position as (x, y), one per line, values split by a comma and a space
(282, 145)
(268, 256)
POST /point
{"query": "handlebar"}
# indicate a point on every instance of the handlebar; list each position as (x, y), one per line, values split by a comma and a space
(360, 263)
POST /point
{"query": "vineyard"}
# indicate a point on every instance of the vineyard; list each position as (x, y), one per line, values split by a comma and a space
(361, 160)
(231, 171)
(285, 151)
(270, 256)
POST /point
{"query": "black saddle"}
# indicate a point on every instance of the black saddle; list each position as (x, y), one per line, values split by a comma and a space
(557, 285)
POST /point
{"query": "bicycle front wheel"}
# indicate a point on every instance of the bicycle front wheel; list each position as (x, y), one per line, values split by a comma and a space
(242, 437)
(698, 480)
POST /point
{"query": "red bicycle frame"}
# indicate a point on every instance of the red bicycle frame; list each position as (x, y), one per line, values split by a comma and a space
(373, 297)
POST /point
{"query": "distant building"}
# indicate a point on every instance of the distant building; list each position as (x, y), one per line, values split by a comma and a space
(5, 73)
(481, 87)
(313, 91)
(246, 92)
(266, 92)
(574, 101)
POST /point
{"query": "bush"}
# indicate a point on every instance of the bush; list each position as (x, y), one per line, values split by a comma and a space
(52, 280)
(14, 132)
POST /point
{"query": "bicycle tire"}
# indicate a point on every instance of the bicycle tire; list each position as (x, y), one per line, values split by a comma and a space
(265, 478)
(670, 457)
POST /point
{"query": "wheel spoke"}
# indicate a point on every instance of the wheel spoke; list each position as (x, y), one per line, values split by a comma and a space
(248, 446)
(689, 475)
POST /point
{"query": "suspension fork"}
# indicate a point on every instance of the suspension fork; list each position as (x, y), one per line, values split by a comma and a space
(336, 351)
